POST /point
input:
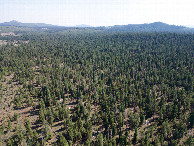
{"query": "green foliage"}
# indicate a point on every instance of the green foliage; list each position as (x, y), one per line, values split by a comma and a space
(134, 120)
(189, 141)
(9, 126)
(99, 141)
(46, 131)
(99, 85)
(191, 119)
(62, 140)
(135, 138)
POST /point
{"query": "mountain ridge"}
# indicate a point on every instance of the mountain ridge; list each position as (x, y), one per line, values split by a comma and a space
(20, 24)
(146, 27)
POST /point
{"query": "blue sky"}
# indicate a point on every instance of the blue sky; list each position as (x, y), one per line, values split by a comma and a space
(98, 12)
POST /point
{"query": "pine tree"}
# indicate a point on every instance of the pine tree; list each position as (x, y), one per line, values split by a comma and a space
(99, 139)
(135, 137)
(146, 140)
(9, 126)
(62, 140)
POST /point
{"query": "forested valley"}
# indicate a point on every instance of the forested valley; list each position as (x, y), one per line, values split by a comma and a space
(96, 88)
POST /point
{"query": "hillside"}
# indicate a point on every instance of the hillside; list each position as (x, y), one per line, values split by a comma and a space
(152, 27)
(19, 24)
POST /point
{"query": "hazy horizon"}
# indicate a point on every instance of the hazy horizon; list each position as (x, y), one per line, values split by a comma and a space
(98, 12)
(80, 25)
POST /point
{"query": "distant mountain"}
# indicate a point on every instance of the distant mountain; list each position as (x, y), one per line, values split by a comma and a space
(11, 23)
(19, 24)
(151, 27)
(40, 25)
(83, 25)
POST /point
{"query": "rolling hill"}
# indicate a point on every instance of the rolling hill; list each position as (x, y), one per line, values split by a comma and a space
(151, 27)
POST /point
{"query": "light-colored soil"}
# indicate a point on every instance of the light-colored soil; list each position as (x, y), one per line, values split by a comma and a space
(15, 42)
(9, 34)
(189, 133)
(3, 42)
(8, 93)
(7, 108)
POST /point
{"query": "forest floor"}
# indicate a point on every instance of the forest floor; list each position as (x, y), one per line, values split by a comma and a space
(9, 34)
(7, 108)
(9, 89)
(3, 42)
